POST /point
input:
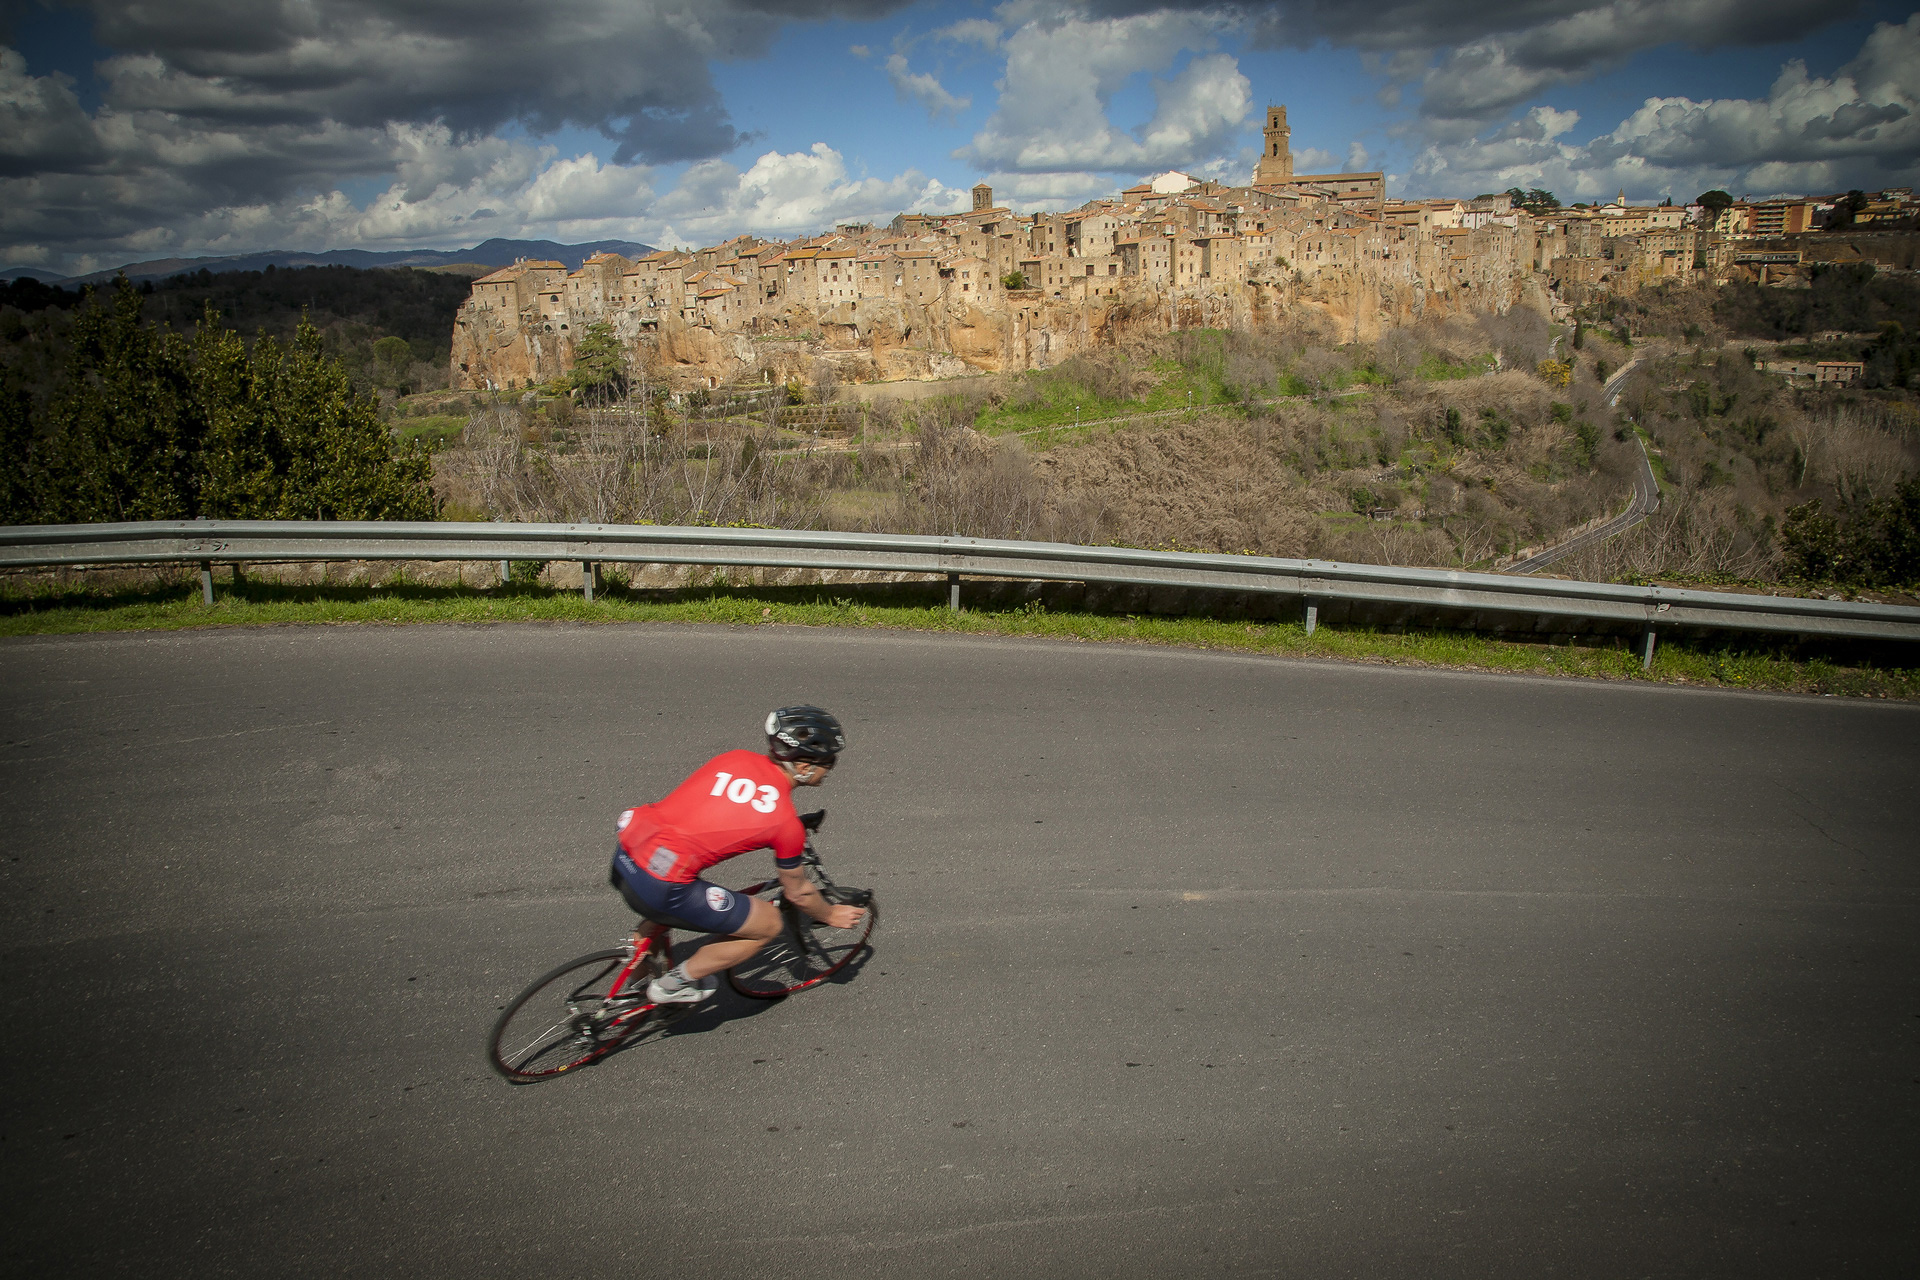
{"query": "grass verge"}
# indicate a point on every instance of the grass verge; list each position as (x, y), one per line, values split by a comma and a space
(175, 605)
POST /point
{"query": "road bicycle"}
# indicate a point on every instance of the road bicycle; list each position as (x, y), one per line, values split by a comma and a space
(586, 1008)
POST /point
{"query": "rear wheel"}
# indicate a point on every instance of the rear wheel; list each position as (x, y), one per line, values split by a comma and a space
(564, 1019)
(807, 952)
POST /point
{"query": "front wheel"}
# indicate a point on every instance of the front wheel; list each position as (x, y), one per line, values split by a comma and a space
(806, 952)
(564, 1019)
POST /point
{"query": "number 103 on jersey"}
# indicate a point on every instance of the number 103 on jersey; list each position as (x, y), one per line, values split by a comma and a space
(743, 791)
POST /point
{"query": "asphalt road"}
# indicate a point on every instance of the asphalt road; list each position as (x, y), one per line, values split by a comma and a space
(1190, 964)
(1645, 501)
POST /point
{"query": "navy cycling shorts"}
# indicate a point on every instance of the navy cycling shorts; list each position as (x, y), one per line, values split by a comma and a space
(704, 906)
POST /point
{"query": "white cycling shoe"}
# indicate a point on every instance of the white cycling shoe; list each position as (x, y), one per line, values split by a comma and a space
(692, 993)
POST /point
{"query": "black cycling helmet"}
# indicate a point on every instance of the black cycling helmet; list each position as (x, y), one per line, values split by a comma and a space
(805, 734)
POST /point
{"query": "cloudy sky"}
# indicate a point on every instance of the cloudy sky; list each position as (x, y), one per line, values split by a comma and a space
(135, 129)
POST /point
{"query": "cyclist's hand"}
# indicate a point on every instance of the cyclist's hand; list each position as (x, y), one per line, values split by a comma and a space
(845, 917)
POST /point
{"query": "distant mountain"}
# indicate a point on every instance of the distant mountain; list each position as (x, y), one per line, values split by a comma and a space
(488, 254)
(29, 273)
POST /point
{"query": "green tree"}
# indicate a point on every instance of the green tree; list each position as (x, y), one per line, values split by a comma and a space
(333, 457)
(391, 356)
(17, 499)
(1014, 280)
(145, 425)
(1533, 200)
(1714, 202)
(121, 431)
(1846, 209)
(1870, 543)
(599, 365)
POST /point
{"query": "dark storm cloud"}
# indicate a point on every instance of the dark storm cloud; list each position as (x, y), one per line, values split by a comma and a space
(1475, 61)
(637, 70)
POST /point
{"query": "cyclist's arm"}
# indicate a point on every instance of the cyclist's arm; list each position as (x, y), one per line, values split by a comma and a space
(806, 895)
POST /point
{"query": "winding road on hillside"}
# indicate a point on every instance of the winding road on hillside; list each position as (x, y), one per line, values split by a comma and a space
(1643, 503)
(1190, 963)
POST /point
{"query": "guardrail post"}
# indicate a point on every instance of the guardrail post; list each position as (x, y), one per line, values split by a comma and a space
(1646, 653)
(503, 573)
(206, 582)
(1313, 616)
(953, 592)
(586, 580)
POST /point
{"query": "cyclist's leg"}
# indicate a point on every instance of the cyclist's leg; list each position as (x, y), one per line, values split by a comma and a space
(763, 925)
(746, 924)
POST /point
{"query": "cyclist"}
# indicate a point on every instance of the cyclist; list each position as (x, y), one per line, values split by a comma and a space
(735, 802)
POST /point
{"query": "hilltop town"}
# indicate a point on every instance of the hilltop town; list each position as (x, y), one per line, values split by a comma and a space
(991, 290)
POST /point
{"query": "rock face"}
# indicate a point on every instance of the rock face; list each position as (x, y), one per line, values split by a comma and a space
(891, 305)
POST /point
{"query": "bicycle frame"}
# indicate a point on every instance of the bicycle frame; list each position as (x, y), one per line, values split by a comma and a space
(648, 939)
(794, 918)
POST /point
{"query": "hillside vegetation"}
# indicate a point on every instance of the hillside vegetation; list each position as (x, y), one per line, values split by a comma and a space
(1452, 444)
(390, 329)
(1457, 443)
(142, 422)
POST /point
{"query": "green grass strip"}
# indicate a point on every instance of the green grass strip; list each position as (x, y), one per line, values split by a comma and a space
(175, 605)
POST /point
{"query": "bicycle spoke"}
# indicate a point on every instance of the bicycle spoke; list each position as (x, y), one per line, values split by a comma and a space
(546, 1041)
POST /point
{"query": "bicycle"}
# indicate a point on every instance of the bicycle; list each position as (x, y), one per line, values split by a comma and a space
(602, 996)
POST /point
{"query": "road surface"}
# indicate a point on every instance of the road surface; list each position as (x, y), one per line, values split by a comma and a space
(1190, 963)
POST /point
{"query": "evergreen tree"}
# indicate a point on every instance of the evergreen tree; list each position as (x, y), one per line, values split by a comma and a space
(122, 433)
(18, 502)
(145, 425)
(599, 365)
(332, 456)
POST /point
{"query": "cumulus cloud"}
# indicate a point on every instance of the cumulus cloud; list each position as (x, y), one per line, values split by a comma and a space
(635, 70)
(924, 89)
(1861, 128)
(1062, 72)
(1472, 63)
(1049, 192)
(222, 120)
(1567, 33)
(788, 194)
(153, 185)
(974, 31)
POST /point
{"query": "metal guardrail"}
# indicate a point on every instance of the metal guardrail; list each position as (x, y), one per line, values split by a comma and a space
(1552, 605)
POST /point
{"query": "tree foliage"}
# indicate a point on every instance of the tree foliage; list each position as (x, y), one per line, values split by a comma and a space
(1846, 209)
(1533, 199)
(146, 424)
(353, 308)
(1714, 202)
(599, 365)
(1874, 542)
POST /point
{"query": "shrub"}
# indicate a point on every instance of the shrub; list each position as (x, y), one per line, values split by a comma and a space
(1869, 543)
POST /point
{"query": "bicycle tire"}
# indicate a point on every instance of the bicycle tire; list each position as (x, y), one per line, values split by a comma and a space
(562, 1021)
(806, 953)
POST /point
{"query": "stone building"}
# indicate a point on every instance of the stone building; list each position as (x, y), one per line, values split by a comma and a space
(925, 295)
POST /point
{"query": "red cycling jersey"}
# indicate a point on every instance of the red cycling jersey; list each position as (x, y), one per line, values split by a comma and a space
(737, 801)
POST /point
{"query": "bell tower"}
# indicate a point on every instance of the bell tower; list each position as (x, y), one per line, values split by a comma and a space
(1276, 157)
